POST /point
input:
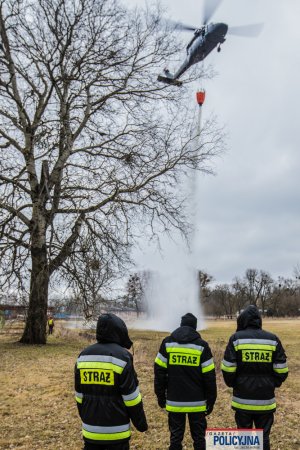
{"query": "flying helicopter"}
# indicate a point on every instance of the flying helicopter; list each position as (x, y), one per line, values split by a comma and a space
(205, 39)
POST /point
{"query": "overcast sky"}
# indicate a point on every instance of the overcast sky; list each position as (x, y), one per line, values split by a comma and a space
(250, 211)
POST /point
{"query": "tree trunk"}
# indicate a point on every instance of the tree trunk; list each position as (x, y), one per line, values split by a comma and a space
(36, 323)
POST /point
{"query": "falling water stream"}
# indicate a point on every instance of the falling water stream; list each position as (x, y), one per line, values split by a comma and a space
(173, 289)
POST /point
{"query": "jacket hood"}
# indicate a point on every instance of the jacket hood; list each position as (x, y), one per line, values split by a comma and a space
(249, 318)
(189, 320)
(185, 334)
(110, 328)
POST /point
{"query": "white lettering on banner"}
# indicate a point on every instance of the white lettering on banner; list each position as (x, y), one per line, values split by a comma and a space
(233, 439)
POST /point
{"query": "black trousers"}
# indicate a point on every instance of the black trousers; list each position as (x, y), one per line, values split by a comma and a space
(264, 421)
(122, 446)
(197, 422)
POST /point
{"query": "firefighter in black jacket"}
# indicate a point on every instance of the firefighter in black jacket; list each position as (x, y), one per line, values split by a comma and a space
(185, 382)
(254, 365)
(106, 388)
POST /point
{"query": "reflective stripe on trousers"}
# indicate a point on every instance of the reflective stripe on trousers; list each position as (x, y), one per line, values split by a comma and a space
(253, 405)
(186, 407)
(98, 433)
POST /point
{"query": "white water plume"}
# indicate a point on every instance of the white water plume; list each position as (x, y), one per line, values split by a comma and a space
(172, 291)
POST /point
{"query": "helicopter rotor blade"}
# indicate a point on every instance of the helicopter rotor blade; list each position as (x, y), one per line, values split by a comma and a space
(209, 8)
(179, 26)
(252, 30)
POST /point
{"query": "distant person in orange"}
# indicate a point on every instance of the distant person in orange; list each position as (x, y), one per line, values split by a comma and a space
(50, 325)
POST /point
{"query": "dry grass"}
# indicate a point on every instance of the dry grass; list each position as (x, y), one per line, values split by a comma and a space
(38, 411)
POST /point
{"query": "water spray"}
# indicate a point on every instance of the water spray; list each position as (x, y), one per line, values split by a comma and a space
(173, 288)
(200, 97)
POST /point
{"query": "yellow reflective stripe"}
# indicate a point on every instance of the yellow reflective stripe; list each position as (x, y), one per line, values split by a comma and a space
(186, 409)
(133, 402)
(192, 351)
(253, 407)
(160, 363)
(78, 399)
(228, 369)
(255, 347)
(100, 365)
(106, 436)
(283, 370)
(208, 368)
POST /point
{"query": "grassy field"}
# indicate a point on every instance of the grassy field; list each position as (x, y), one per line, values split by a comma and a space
(38, 411)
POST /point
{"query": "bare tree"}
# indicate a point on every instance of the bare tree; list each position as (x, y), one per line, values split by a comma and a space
(255, 287)
(297, 272)
(204, 279)
(239, 290)
(224, 297)
(266, 283)
(89, 272)
(135, 292)
(252, 285)
(91, 144)
(285, 298)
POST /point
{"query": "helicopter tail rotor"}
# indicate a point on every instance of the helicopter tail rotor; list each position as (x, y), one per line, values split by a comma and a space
(252, 30)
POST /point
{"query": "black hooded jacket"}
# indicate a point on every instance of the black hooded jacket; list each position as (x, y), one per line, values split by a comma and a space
(254, 364)
(106, 385)
(184, 373)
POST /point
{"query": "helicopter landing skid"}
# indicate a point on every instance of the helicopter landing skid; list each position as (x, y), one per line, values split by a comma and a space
(168, 80)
